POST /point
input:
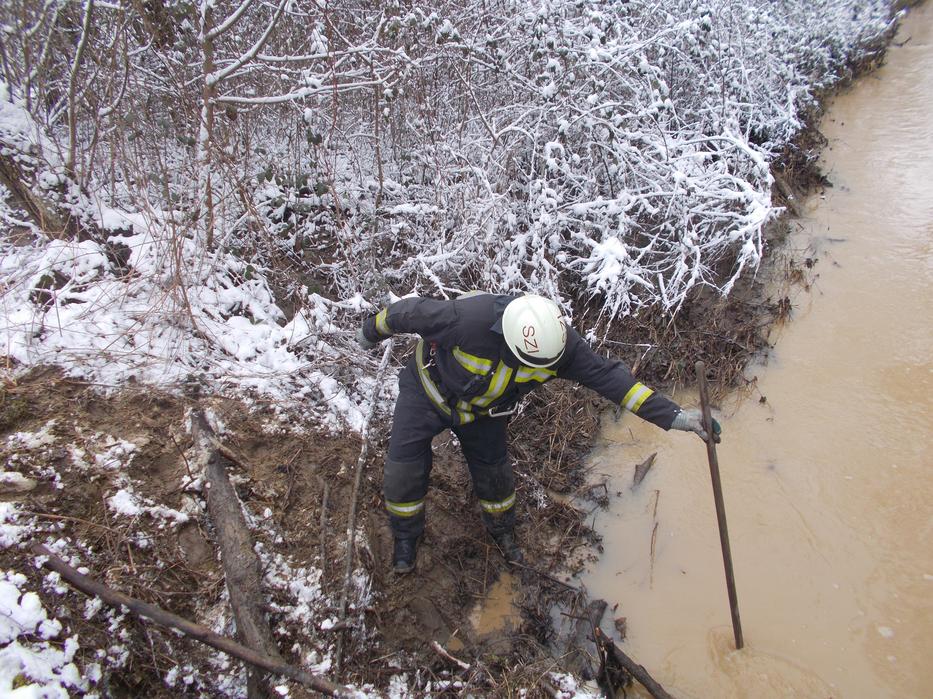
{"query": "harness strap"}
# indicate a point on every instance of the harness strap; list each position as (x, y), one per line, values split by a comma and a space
(464, 413)
(430, 388)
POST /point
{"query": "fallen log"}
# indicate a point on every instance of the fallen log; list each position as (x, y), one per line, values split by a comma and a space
(634, 669)
(240, 563)
(580, 658)
(200, 633)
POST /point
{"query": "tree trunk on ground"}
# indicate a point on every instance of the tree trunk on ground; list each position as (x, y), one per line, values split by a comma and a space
(582, 647)
(42, 212)
(240, 563)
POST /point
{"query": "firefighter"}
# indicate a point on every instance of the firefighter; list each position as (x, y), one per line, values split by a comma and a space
(477, 357)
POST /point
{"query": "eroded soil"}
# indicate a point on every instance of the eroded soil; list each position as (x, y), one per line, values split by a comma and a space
(81, 461)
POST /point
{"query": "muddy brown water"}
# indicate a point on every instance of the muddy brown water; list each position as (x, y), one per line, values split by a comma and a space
(829, 484)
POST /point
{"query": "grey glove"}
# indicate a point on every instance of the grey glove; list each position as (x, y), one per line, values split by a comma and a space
(691, 420)
(364, 341)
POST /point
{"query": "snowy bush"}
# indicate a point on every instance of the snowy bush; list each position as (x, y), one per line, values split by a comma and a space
(245, 180)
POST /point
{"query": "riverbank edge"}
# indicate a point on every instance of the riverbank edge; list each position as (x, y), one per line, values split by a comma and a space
(727, 333)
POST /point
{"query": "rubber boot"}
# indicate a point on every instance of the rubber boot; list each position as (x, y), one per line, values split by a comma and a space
(403, 555)
(510, 549)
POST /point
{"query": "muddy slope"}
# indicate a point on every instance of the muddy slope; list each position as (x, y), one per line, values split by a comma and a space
(91, 448)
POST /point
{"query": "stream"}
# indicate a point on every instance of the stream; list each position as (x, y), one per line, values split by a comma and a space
(828, 481)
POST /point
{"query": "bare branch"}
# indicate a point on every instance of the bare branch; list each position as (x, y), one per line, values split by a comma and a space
(218, 76)
(229, 22)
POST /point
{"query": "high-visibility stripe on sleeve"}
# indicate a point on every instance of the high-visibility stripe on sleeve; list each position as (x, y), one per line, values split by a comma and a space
(497, 507)
(525, 374)
(636, 395)
(472, 363)
(382, 324)
(405, 509)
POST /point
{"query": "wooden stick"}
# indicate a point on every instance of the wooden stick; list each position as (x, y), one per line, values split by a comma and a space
(323, 526)
(633, 668)
(579, 657)
(441, 651)
(78, 520)
(546, 576)
(720, 505)
(789, 197)
(357, 477)
(199, 633)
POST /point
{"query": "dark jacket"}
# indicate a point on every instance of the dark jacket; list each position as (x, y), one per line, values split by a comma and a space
(468, 371)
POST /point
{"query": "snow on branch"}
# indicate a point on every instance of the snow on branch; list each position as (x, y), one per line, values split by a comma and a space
(341, 153)
(217, 76)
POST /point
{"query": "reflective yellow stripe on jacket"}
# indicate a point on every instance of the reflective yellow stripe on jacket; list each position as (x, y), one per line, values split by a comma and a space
(497, 385)
(527, 373)
(636, 395)
(472, 363)
(382, 325)
(427, 382)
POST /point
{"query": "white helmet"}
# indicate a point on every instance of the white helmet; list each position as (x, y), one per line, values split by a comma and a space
(534, 330)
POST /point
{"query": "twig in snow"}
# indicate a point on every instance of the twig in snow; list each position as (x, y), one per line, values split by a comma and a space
(200, 633)
(351, 518)
(439, 649)
(78, 520)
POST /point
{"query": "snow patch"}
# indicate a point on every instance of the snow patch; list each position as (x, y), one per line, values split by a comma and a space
(126, 502)
(11, 533)
(29, 660)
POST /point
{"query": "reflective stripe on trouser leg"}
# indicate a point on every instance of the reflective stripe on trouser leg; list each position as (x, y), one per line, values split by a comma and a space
(408, 463)
(405, 485)
(495, 490)
(499, 517)
(484, 444)
(405, 509)
(497, 507)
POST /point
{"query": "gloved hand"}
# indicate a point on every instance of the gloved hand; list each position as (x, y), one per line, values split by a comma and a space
(364, 341)
(691, 420)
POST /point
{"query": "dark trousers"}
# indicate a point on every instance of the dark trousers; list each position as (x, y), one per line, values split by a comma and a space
(408, 464)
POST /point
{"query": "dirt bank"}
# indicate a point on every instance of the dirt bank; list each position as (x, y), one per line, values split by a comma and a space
(83, 450)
